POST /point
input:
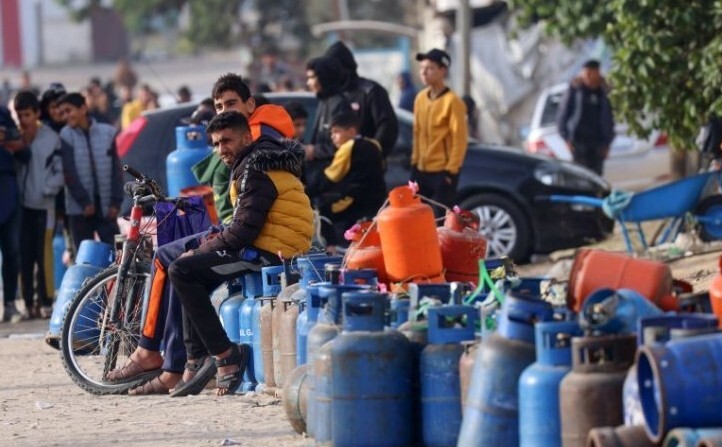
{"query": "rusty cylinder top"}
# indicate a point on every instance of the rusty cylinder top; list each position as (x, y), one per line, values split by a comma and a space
(602, 354)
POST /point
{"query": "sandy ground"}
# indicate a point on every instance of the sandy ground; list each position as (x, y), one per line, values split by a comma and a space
(40, 406)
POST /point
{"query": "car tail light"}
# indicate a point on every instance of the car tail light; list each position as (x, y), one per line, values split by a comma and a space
(661, 140)
(539, 147)
(127, 136)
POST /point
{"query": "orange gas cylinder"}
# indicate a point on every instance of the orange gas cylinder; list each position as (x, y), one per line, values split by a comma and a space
(596, 269)
(715, 294)
(461, 245)
(365, 249)
(408, 239)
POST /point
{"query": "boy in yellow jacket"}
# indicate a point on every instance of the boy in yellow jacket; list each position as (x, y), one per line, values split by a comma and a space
(440, 131)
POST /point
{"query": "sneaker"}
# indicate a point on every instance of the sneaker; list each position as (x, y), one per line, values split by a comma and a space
(19, 316)
(46, 312)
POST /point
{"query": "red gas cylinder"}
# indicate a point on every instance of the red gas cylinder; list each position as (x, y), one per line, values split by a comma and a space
(715, 294)
(461, 245)
(365, 249)
(408, 239)
(596, 269)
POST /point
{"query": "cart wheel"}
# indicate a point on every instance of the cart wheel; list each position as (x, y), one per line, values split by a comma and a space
(710, 208)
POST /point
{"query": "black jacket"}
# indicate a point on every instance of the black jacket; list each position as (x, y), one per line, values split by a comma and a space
(271, 212)
(353, 186)
(571, 114)
(330, 102)
(369, 99)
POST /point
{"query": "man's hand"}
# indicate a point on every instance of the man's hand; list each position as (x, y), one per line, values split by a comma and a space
(605, 153)
(309, 151)
(89, 210)
(188, 253)
(570, 146)
(112, 213)
(449, 177)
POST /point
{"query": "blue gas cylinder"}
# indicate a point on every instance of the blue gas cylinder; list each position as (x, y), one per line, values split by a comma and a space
(690, 437)
(679, 384)
(271, 280)
(58, 266)
(439, 371)
(257, 349)
(436, 294)
(91, 259)
(321, 333)
(359, 276)
(245, 317)
(491, 412)
(312, 267)
(229, 314)
(331, 300)
(307, 319)
(399, 312)
(615, 311)
(192, 148)
(371, 378)
(660, 329)
(539, 424)
(252, 284)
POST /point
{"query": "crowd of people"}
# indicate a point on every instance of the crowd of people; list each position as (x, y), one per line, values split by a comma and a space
(266, 179)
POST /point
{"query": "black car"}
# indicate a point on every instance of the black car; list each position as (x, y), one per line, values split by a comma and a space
(502, 185)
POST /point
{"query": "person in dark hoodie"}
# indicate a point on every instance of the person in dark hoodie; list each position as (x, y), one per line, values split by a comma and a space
(369, 99)
(324, 77)
(585, 119)
(408, 91)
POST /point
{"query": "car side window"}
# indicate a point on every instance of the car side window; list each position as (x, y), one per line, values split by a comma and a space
(551, 109)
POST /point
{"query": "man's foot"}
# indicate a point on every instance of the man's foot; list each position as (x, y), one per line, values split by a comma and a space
(46, 312)
(13, 315)
(158, 385)
(197, 374)
(231, 365)
(142, 363)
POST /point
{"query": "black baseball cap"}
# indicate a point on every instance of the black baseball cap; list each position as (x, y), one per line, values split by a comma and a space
(441, 57)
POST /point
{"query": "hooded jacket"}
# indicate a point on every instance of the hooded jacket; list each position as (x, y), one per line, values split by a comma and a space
(272, 212)
(270, 120)
(331, 102)
(571, 115)
(369, 99)
(41, 178)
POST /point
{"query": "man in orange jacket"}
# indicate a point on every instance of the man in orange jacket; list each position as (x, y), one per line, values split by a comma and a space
(164, 316)
(440, 131)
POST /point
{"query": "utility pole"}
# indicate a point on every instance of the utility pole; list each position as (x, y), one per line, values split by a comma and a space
(463, 26)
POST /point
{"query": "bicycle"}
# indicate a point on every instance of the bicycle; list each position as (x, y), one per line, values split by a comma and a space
(104, 321)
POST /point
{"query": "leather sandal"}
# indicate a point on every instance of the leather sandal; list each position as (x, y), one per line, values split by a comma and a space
(229, 383)
(154, 386)
(131, 372)
(193, 367)
(205, 372)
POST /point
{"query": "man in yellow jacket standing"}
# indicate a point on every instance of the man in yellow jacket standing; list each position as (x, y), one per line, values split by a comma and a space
(440, 131)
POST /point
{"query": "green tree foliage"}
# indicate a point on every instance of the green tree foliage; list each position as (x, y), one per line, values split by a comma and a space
(666, 56)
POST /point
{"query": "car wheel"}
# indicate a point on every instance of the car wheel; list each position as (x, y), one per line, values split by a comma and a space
(710, 208)
(503, 224)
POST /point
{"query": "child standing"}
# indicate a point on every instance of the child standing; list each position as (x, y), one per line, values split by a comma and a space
(353, 186)
(39, 181)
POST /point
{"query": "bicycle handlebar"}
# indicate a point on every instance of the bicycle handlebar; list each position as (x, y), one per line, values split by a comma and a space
(137, 175)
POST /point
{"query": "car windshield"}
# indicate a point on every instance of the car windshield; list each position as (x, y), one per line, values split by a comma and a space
(551, 108)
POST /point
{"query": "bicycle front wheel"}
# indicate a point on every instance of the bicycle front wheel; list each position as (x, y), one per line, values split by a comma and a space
(91, 344)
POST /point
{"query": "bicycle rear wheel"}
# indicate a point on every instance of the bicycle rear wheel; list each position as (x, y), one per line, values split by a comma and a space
(91, 345)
